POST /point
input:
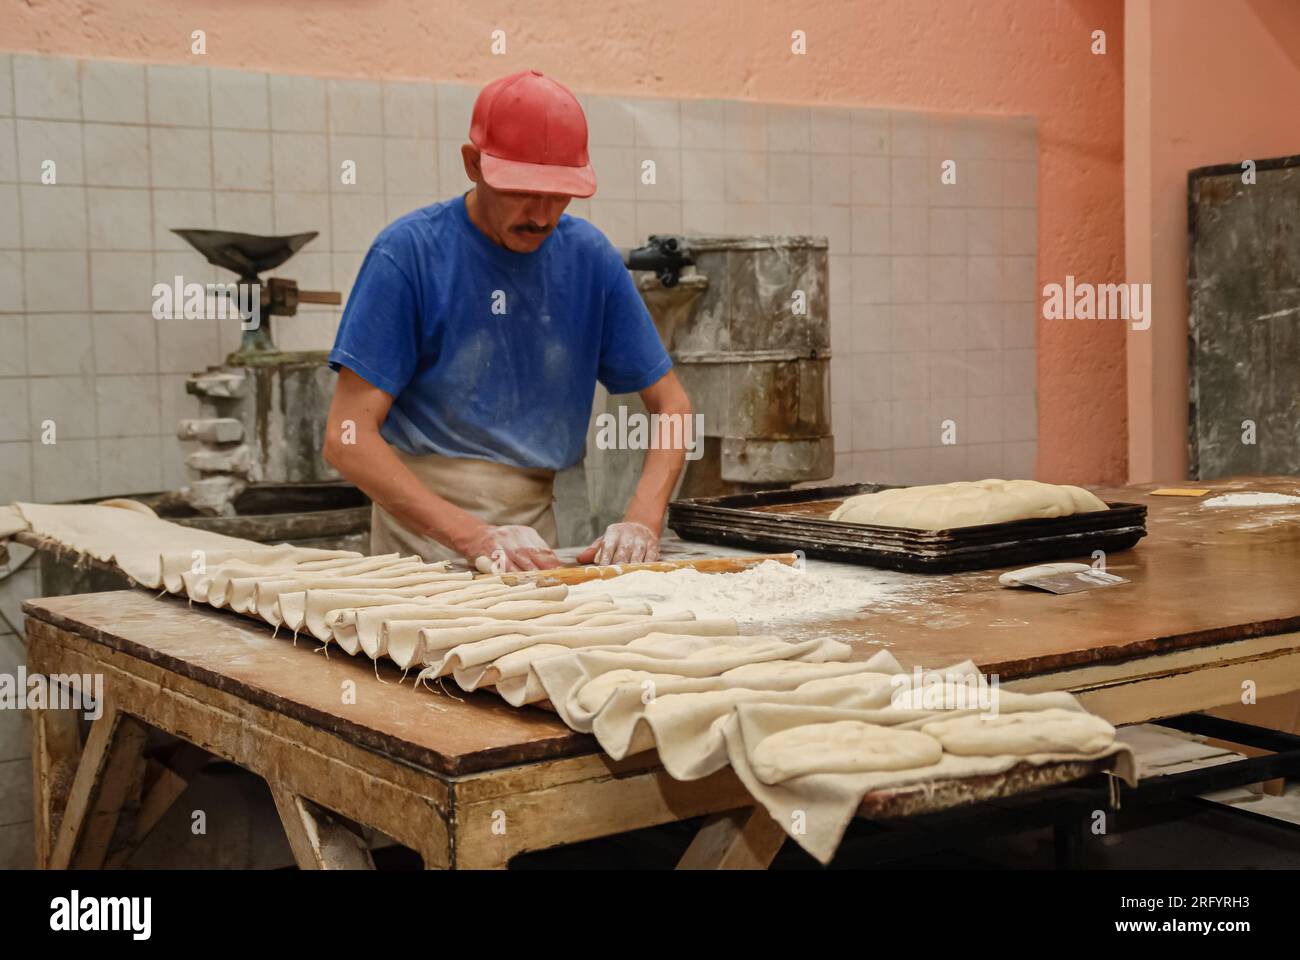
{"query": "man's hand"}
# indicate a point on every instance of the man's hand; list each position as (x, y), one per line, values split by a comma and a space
(512, 547)
(626, 542)
(636, 539)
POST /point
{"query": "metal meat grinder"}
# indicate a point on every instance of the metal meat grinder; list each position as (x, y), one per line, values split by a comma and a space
(264, 409)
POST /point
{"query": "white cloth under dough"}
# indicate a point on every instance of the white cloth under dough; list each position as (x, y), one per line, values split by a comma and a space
(309, 608)
(233, 580)
(687, 728)
(403, 640)
(650, 676)
(682, 716)
(266, 593)
(815, 808)
(580, 686)
(966, 503)
(11, 522)
(617, 723)
(249, 594)
(468, 654)
(137, 542)
(391, 625)
(515, 679)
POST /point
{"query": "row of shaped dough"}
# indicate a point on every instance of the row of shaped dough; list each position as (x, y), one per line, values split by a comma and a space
(806, 729)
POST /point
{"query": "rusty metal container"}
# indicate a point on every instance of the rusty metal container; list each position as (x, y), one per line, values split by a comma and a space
(748, 328)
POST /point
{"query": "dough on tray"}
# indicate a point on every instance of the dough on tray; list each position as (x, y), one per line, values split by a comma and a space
(844, 746)
(1023, 733)
(966, 503)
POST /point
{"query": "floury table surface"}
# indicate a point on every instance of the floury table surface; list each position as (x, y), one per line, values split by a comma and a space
(1203, 575)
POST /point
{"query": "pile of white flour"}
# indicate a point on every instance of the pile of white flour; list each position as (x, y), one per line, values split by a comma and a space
(768, 593)
(1250, 500)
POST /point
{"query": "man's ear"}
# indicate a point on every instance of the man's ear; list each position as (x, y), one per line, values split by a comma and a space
(473, 169)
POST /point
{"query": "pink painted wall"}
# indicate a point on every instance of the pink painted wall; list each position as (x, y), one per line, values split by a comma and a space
(1220, 78)
(979, 56)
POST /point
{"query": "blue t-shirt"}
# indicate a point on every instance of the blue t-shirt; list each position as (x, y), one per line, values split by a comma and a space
(489, 353)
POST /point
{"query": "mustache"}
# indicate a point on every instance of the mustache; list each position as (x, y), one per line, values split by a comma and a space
(529, 228)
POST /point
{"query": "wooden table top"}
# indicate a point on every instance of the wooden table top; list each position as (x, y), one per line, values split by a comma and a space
(1202, 576)
(453, 733)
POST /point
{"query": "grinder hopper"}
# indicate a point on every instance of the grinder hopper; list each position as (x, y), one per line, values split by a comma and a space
(249, 255)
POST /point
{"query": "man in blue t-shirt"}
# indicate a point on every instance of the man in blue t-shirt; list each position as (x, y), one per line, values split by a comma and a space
(472, 342)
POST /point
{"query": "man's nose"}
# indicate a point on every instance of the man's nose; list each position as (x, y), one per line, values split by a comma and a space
(538, 209)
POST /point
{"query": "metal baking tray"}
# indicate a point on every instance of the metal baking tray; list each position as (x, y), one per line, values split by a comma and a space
(786, 520)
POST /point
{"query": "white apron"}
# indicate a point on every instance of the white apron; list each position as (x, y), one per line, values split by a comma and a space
(494, 492)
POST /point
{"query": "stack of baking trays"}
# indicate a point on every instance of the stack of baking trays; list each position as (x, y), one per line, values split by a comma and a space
(800, 520)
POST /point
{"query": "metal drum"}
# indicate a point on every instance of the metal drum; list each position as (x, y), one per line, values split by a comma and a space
(748, 328)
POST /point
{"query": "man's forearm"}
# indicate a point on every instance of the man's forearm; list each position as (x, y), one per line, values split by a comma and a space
(373, 466)
(670, 413)
(659, 476)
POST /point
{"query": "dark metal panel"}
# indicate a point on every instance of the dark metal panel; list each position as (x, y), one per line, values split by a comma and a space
(1244, 319)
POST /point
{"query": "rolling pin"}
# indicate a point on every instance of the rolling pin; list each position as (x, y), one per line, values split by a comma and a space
(572, 575)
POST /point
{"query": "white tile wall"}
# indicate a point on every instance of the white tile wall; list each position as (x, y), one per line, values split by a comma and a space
(17, 582)
(931, 285)
(136, 150)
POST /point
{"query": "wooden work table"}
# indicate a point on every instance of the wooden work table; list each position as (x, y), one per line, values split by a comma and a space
(1212, 602)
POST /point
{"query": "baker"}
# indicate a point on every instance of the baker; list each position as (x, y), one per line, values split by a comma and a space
(472, 342)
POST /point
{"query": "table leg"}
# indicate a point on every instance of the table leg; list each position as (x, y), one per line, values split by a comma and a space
(745, 839)
(56, 748)
(167, 779)
(111, 763)
(1067, 843)
(319, 840)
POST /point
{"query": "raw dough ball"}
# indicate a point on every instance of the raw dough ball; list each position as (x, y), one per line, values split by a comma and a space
(945, 506)
(483, 565)
(845, 746)
(1020, 734)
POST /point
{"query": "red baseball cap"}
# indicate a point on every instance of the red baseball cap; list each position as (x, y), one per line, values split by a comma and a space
(532, 134)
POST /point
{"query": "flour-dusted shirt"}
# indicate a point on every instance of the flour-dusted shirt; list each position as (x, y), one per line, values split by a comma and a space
(489, 353)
